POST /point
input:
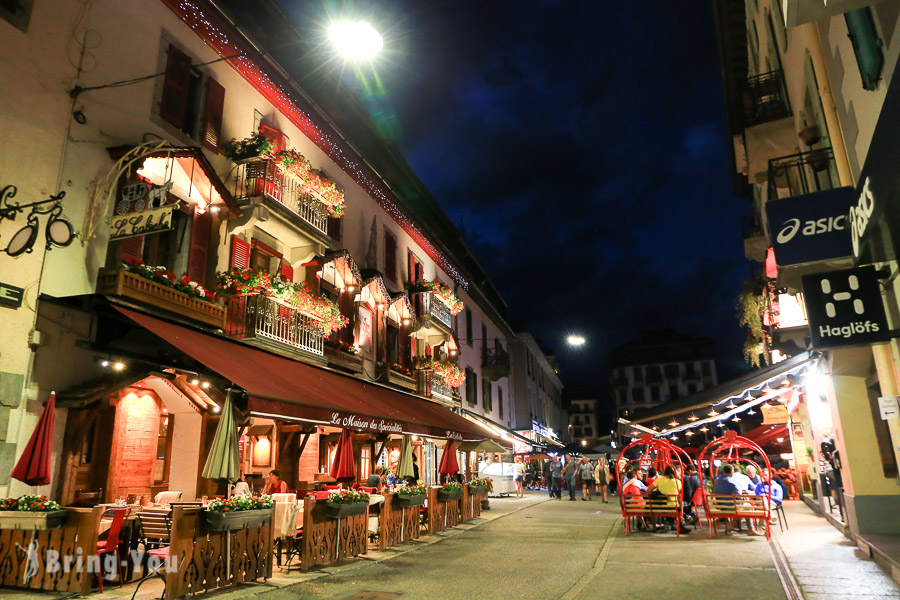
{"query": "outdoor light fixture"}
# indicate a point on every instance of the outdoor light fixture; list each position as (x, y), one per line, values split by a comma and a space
(406, 321)
(215, 408)
(195, 382)
(779, 440)
(673, 438)
(721, 424)
(751, 412)
(584, 442)
(713, 413)
(689, 433)
(356, 41)
(731, 405)
(655, 427)
(673, 423)
(118, 366)
(205, 385)
(693, 417)
(736, 419)
(704, 429)
(57, 231)
(576, 340)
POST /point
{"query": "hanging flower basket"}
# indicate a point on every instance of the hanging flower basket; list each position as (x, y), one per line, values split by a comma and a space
(339, 510)
(474, 490)
(240, 512)
(449, 495)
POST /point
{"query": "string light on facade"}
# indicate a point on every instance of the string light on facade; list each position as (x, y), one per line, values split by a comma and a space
(693, 417)
(704, 429)
(713, 413)
(673, 423)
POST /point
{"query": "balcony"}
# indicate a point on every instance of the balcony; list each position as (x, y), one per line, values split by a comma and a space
(263, 178)
(755, 242)
(765, 99)
(343, 360)
(273, 325)
(434, 321)
(495, 363)
(121, 283)
(768, 125)
(397, 379)
(802, 173)
(431, 386)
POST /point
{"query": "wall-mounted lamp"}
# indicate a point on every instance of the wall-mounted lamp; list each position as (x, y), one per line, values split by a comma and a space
(57, 231)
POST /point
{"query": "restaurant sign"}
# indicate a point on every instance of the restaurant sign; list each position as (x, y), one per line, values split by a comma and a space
(141, 223)
(367, 423)
(774, 414)
(845, 308)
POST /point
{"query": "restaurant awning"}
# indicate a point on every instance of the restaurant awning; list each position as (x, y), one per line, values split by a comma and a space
(283, 388)
(489, 426)
(768, 434)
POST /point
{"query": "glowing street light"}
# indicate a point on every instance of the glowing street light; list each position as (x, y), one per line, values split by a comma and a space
(356, 41)
(576, 340)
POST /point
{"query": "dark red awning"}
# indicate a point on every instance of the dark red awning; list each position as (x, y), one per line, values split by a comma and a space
(280, 387)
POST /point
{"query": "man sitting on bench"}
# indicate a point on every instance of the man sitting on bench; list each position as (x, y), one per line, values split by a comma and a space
(725, 485)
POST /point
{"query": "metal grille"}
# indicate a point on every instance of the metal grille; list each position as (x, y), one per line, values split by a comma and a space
(765, 99)
(439, 389)
(802, 173)
(439, 310)
(260, 316)
(263, 177)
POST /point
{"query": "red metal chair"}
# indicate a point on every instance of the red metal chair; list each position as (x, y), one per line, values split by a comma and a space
(322, 495)
(111, 544)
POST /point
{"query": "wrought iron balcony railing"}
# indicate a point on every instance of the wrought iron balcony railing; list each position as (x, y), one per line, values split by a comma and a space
(802, 173)
(765, 99)
(261, 317)
(262, 177)
(429, 306)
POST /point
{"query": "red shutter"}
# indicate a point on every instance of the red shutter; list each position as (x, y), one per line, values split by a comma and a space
(411, 267)
(212, 116)
(173, 105)
(390, 256)
(274, 135)
(287, 271)
(333, 228)
(132, 247)
(199, 249)
(240, 253)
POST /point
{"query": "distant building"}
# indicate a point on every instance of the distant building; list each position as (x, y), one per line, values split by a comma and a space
(582, 416)
(661, 365)
(536, 389)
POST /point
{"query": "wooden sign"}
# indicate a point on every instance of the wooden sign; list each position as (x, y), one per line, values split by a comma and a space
(152, 220)
(774, 414)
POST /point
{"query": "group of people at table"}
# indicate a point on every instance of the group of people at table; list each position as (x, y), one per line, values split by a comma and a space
(730, 481)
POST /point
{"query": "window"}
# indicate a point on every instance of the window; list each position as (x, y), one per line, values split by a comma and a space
(471, 387)
(393, 342)
(16, 12)
(500, 401)
(264, 258)
(588, 432)
(484, 344)
(866, 46)
(673, 391)
(671, 371)
(706, 368)
(333, 228)
(163, 448)
(654, 393)
(638, 373)
(468, 326)
(390, 255)
(692, 388)
(486, 395)
(193, 106)
(576, 432)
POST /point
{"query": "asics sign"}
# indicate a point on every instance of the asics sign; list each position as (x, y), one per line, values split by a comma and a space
(812, 227)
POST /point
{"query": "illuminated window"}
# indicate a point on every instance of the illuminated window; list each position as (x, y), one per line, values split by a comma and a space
(163, 448)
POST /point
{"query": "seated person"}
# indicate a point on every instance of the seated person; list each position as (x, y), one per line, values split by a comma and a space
(392, 478)
(241, 488)
(374, 480)
(667, 487)
(634, 487)
(651, 476)
(274, 484)
(743, 483)
(725, 485)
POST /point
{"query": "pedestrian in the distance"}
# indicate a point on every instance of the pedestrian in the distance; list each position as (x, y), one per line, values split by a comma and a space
(519, 477)
(555, 480)
(587, 478)
(569, 474)
(548, 477)
(601, 479)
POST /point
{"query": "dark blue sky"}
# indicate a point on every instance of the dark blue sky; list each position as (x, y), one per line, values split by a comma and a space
(581, 149)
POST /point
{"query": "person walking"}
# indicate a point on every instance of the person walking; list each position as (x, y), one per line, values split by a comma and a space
(601, 479)
(547, 477)
(586, 469)
(613, 481)
(569, 474)
(519, 477)
(555, 480)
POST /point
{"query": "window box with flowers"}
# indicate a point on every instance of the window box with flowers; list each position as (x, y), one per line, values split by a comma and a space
(158, 287)
(342, 354)
(452, 375)
(239, 512)
(31, 513)
(441, 291)
(480, 485)
(346, 503)
(450, 491)
(401, 376)
(412, 495)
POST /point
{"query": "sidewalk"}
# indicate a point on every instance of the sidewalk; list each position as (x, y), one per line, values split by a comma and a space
(824, 563)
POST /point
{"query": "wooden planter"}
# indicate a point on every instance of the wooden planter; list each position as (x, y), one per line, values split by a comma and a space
(445, 496)
(120, 282)
(338, 510)
(31, 521)
(477, 489)
(415, 500)
(402, 381)
(351, 362)
(232, 521)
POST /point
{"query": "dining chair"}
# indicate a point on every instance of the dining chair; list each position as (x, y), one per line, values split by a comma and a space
(156, 533)
(87, 499)
(167, 497)
(111, 544)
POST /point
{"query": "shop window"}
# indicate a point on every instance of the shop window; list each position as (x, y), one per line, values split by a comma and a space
(471, 387)
(365, 462)
(390, 256)
(163, 448)
(161, 249)
(866, 46)
(189, 103)
(16, 12)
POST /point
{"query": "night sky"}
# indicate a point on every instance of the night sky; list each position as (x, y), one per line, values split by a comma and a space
(581, 149)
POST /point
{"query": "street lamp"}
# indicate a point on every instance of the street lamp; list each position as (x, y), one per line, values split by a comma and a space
(356, 41)
(575, 340)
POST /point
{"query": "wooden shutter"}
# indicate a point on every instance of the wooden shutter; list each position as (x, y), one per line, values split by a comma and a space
(411, 272)
(390, 256)
(274, 135)
(212, 116)
(132, 247)
(240, 253)
(173, 105)
(199, 249)
(333, 228)
(287, 271)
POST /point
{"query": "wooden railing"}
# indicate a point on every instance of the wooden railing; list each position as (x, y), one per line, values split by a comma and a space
(256, 177)
(262, 317)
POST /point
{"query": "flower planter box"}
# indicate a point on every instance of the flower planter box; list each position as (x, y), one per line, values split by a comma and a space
(400, 380)
(445, 496)
(351, 362)
(19, 519)
(232, 521)
(477, 489)
(119, 282)
(339, 510)
(416, 500)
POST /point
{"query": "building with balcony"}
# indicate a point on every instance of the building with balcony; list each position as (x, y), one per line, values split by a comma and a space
(818, 169)
(537, 391)
(658, 367)
(582, 417)
(223, 194)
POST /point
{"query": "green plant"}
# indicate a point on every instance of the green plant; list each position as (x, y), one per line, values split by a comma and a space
(255, 145)
(240, 503)
(751, 304)
(348, 496)
(451, 486)
(29, 503)
(486, 482)
(809, 451)
(162, 276)
(419, 489)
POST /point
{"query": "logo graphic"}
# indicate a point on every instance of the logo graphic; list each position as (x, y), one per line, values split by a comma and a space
(845, 308)
(860, 215)
(33, 562)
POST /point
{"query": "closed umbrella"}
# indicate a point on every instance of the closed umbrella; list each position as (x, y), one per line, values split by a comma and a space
(343, 466)
(449, 465)
(222, 463)
(33, 467)
(405, 468)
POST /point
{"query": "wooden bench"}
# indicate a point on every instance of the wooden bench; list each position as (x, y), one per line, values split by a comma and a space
(643, 506)
(730, 506)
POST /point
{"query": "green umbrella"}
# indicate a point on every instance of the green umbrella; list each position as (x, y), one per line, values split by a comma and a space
(405, 468)
(222, 464)
(484, 445)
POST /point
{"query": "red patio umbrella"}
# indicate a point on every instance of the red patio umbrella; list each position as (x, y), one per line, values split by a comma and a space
(33, 467)
(343, 466)
(449, 465)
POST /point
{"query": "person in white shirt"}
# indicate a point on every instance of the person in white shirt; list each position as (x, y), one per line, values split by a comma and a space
(241, 488)
(519, 476)
(743, 483)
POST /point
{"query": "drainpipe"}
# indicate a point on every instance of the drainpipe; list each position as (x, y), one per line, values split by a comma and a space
(828, 107)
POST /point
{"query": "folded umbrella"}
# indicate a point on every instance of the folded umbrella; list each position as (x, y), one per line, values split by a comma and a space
(343, 466)
(405, 468)
(449, 465)
(33, 467)
(223, 463)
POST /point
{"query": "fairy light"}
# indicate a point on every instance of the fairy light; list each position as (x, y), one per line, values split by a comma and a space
(736, 419)
(713, 413)
(751, 412)
(283, 100)
(721, 424)
(704, 429)
(689, 433)
(655, 427)
(673, 423)
(731, 405)
(693, 417)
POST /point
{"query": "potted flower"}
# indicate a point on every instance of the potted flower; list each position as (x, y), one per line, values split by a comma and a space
(31, 512)
(239, 512)
(251, 147)
(450, 491)
(412, 495)
(480, 485)
(346, 503)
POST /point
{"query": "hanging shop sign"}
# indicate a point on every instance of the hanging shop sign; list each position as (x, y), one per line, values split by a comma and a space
(845, 308)
(143, 208)
(812, 227)
(774, 414)
(11, 295)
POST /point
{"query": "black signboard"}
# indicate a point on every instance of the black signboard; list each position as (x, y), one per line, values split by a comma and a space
(845, 308)
(11, 295)
(811, 227)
